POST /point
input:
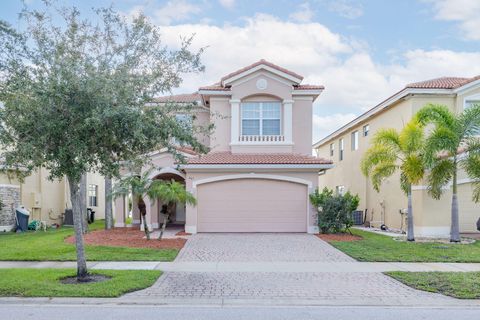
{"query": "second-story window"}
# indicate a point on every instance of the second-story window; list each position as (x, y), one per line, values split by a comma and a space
(261, 119)
(355, 140)
(366, 129)
(340, 149)
(332, 149)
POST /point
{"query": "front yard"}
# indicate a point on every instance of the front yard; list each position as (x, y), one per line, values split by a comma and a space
(375, 247)
(463, 285)
(51, 245)
(47, 283)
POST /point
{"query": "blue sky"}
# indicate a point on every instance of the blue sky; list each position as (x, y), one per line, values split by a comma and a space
(362, 51)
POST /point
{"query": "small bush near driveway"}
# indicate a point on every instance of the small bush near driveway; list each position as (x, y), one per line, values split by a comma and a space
(334, 210)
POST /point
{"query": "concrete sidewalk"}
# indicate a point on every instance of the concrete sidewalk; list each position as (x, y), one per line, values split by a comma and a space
(331, 267)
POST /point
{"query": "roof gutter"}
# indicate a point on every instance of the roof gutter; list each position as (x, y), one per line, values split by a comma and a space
(380, 107)
(256, 166)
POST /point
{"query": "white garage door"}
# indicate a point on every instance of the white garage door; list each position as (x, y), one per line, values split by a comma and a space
(252, 205)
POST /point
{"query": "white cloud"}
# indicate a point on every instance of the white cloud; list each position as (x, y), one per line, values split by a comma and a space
(303, 14)
(322, 126)
(229, 4)
(346, 9)
(465, 12)
(353, 81)
(175, 10)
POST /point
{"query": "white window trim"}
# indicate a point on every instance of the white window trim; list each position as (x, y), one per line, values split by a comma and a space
(261, 118)
(355, 140)
(366, 131)
(475, 97)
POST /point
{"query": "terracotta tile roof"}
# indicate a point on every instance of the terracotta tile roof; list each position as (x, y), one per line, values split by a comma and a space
(442, 83)
(256, 158)
(215, 87)
(187, 150)
(308, 87)
(260, 62)
(181, 98)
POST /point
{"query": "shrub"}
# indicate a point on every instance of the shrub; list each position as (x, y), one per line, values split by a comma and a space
(334, 210)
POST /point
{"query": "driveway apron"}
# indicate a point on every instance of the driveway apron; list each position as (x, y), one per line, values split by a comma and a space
(271, 249)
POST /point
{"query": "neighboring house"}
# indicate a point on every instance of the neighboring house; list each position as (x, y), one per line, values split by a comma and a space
(260, 171)
(347, 145)
(46, 200)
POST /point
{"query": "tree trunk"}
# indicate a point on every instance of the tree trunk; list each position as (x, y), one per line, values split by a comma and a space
(454, 228)
(77, 223)
(108, 204)
(410, 235)
(83, 199)
(143, 214)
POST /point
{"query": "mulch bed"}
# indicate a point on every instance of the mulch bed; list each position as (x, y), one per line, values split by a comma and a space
(182, 233)
(127, 237)
(345, 237)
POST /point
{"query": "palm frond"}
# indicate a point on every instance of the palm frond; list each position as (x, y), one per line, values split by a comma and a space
(170, 192)
(440, 174)
(380, 172)
(436, 114)
(441, 142)
(387, 137)
(469, 121)
(375, 155)
(411, 138)
(413, 168)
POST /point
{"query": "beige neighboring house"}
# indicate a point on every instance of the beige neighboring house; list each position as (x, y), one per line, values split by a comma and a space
(347, 145)
(46, 200)
(260, 171)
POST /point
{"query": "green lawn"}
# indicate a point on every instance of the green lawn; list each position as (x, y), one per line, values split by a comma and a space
(50, 245)
(46, 283)
(463, 285)
(376, 247)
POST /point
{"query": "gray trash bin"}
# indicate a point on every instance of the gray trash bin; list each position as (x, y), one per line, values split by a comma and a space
(22, 215)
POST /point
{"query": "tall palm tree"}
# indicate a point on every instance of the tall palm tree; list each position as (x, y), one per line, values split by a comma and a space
(170, 193)
(392, 151)
(138, 185)
(453, 143)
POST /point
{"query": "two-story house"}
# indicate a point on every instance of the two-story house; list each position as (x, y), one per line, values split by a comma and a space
(346, 146)
(260, 171)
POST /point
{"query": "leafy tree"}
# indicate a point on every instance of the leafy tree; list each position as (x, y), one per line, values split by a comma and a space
(334, 211)
(453, 143)
(392, 151)
(78, 95)
(171, 193)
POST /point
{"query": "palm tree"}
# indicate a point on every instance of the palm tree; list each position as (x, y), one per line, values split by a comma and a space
(170, 193)
(453, 143)
(138, 185)
(392, 151)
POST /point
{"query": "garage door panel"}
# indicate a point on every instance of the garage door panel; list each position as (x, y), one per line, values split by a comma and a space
(252, 205)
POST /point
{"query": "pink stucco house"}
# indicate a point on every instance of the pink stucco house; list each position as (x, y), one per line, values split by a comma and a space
(260, 170)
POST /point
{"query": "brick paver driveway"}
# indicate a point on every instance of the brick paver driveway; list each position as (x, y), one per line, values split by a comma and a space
(272, 249)
(257, 247)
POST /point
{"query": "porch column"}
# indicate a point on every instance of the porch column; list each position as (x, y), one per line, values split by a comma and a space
(148, 216)
(234, 120)
(120, 210)
(287, 120)
(135, 212)
(154, 219)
